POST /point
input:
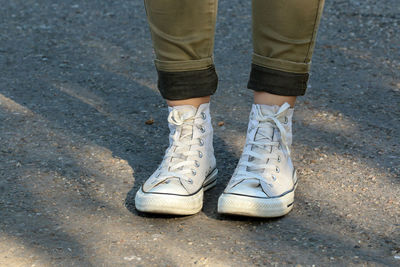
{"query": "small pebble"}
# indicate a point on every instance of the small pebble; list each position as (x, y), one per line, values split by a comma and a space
(149, 121)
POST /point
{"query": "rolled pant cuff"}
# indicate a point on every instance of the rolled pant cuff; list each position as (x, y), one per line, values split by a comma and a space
(180, 85)
(277, 82)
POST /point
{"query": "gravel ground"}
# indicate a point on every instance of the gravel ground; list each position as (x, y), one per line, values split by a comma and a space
(77, 85)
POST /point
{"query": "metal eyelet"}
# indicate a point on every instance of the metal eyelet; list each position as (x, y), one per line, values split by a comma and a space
(197, 164)
(277, 169)
(200, 154)
(286, 120)
(201, 142)
(279, 158)
(202, 129)
(203, 115)
(274, 177)
(193, 172)
(190, 181)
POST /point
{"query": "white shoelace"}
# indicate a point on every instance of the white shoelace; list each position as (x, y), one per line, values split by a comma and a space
(260, 162)
(177, 162)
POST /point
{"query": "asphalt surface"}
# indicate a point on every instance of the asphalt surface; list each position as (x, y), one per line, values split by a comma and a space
(77, 85)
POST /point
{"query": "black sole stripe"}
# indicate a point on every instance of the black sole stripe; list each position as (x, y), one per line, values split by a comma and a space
(178, 194)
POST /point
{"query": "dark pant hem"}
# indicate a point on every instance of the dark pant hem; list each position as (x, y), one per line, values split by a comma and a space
(277, 82)
(182, 85)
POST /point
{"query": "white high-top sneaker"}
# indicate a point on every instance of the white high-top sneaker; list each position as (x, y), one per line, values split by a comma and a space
(188, 167)
(264, 180)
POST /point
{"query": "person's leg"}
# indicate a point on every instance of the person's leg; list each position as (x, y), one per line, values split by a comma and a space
(183, 38)
(284, 35)
(196, 102)
(264, 98)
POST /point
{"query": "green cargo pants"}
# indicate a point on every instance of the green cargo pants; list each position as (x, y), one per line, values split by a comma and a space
(284, 33)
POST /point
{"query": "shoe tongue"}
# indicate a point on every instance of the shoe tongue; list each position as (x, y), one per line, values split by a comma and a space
(265, 134)
(186, 112)
(185, 109)
(268, 110)
(186, 130)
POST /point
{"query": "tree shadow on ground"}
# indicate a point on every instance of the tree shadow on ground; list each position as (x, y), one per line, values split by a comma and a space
(104, 105)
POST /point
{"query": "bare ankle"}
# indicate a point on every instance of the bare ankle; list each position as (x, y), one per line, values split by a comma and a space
(264, 98)
(196, 102)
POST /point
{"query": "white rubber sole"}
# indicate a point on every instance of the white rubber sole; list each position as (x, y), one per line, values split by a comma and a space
(174, 204)
(255, 206)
